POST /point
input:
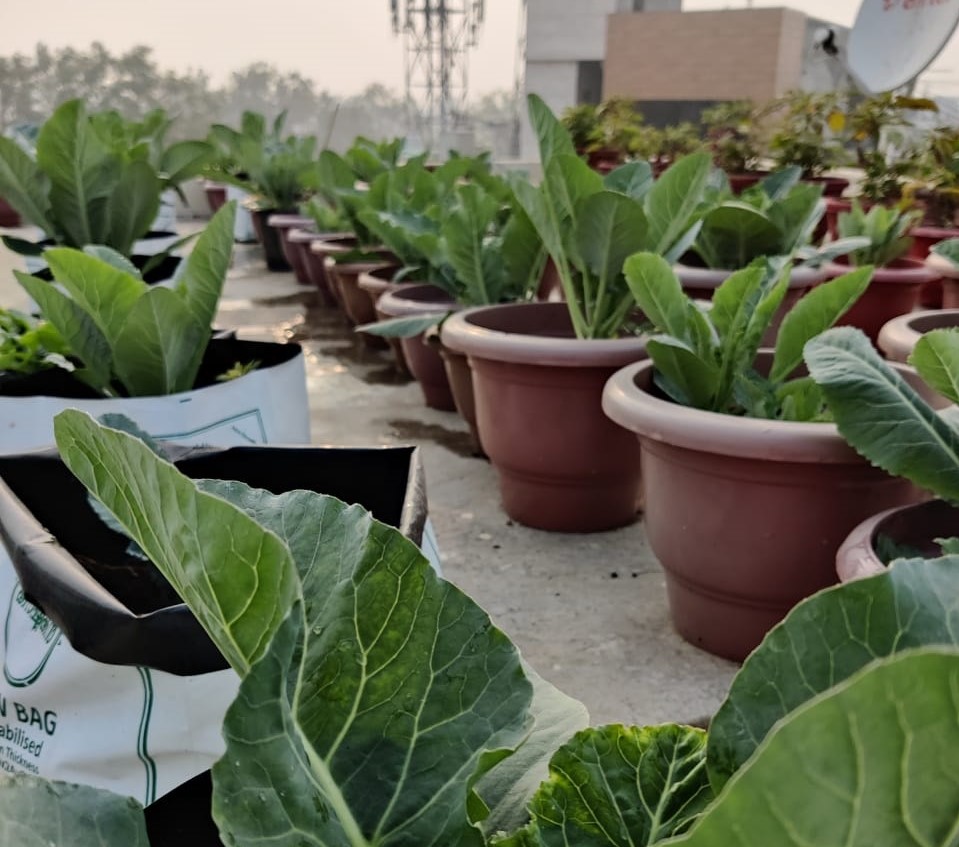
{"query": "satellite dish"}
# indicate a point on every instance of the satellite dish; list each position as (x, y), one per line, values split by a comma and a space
(893, 41)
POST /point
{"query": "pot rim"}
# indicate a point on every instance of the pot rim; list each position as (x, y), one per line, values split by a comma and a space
(283, 220)
(939, 232)
(305, 235)
(462, 333)
(336, 242)
(355, 268)
(396, 304)
(371, 280)
(909, 272)
(692, 277)
(657, 420)
(899, 334)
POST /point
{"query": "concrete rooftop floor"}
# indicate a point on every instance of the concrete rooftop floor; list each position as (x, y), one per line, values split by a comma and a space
(588, 612)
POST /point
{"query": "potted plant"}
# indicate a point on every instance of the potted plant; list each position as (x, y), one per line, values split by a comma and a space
(650, 785)
(896, 280)
(748, 489)
(605, 134)
(857, 383)
(806, 134)
(124, 346)
(326, 222)
(732, 131)
(277, 171)
(538, 368)
(671, 143)
(79, 191)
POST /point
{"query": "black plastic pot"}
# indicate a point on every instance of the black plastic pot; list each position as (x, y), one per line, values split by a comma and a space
(269, 238)
(65, 557)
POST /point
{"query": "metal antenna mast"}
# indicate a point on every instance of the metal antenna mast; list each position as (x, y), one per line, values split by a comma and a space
(439, 35)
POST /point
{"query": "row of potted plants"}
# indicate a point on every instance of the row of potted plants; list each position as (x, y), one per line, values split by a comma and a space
(341, 734)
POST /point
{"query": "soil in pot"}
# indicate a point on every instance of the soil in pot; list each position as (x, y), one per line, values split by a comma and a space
(422, 359)
(269, 239)
(562, 464)
(744, 515)
(893, 291)
(909, 531)
(898, 338)
(376, 283)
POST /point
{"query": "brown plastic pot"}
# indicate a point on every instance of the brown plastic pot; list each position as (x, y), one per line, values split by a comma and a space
(460, 377)
(269, 239)
(300, 241)
(9, 217)
(835, 206)
(948, 275)
(893, 291)
(333, 243)
(914, 527)
(215, 195)
(744, 515)
(701, 284)
(422, 359)
(898, 338)
(924, 238)
(283, 224)
(562, 464)
(738, 183)
(376, 283)
(355, 302)
(832, 186)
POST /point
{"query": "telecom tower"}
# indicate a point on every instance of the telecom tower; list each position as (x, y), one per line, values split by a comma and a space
(439, 35)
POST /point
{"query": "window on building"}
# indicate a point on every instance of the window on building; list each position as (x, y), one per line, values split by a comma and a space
(589, 82)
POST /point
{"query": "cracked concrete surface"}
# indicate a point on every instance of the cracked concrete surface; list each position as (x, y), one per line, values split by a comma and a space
(589, 612)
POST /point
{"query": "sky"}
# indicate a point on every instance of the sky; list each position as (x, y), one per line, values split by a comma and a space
(343, 46)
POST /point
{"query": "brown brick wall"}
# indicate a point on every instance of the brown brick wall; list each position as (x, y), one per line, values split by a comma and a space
(723, 55)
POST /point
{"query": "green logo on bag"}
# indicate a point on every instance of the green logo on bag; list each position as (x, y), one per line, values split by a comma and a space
(30, 638)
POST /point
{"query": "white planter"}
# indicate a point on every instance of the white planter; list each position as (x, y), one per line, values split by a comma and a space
(165, 220)
(243, 227)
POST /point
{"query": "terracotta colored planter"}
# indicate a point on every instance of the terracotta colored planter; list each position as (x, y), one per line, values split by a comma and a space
(460, 377)
(924, 238)
(948, 276)
(562, 465)
(355, 302)
(835, 206)
(215, 195)
(893, 291)
(744, 515)
(909, 527)
(299, 241)
(422, 359)
(832, 186)
(738, 183)
(9, 216)
(269, 239)
(376, 283)
(898, 338)
(700, 283)
(333, 243)
(284, 224)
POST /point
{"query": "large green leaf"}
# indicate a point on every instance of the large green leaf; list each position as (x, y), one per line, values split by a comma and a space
(880, 415)
(408, 326)
(936, 357)
(672, 202)
(184, 160)
(38, 813)
(508, 788)
(685, 376)
(797, 214)
(75, 326)
(81, 171)
(619, 786)
(826, 639)
(403, 687)
(660, 296)
(236, 577)
(106, 294)
(24, 185)
(132, 206)
(818, 310)
(634, 179)
(874, 762)
(158, 350)
(734, 234)
(609, 228)
(551, 135)
(465, 228)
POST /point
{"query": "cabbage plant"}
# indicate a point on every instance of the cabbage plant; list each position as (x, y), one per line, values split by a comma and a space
(78, 189)
(125, 336)
(705, 354)
(380, 706)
